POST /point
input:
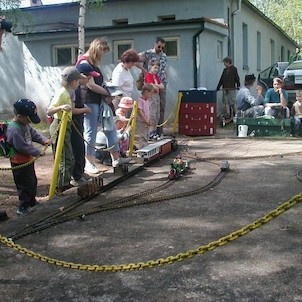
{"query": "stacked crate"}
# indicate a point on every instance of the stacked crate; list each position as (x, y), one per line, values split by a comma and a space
(197, 114)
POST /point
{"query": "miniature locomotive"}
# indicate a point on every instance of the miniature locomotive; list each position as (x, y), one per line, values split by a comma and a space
(178, 167)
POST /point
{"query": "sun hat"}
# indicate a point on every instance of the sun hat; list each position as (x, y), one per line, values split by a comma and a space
(126, 102)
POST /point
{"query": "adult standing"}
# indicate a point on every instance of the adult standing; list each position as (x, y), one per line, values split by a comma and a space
(229, 81)
(295, 56)
(147, 57)
(246, 102)
(121, 75)
(96, 100)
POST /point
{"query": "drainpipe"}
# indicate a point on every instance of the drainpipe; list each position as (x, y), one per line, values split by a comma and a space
(195, 37)
(232, 26)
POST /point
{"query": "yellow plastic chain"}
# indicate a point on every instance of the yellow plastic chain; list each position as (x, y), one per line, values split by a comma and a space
(161, 261)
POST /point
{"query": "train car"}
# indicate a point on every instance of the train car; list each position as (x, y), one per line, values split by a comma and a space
(155, 150)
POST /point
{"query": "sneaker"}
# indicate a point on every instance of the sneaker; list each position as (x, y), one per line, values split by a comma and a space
(90, 168)
(151, 134)
(22, 211)
(155, 137)
(115, 163)
(160, 137)
(78, 182)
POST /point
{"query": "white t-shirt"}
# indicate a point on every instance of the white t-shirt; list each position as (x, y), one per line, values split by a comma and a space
(123, 79)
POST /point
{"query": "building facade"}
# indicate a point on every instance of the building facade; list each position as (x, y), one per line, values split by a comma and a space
(199, 34)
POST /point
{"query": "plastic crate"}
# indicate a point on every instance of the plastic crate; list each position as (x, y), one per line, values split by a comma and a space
(266, 127)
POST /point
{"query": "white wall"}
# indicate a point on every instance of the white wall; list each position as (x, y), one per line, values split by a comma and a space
(22, 77)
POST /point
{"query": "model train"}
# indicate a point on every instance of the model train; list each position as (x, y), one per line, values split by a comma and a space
(178, 167)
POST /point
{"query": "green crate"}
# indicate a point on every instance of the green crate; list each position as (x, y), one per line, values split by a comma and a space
(266, 127)
(249, 121)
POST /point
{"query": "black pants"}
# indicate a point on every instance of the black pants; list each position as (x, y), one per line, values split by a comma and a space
(26, 183)
(78, 149)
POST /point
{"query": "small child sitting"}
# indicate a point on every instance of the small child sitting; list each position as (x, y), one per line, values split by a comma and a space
(297, 113)
(122, 121)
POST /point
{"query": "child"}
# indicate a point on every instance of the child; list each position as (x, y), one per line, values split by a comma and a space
(125, 105)
(297, 113)
(20, 135)
(62, 101)
(78, 110)
(152, 78)
(143, 116)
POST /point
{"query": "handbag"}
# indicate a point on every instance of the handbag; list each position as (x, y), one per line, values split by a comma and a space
(140, 81)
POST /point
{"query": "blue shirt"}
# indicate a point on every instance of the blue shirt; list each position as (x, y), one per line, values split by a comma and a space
(272, 96)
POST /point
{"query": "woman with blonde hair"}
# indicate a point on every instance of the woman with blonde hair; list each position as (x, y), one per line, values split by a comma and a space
(97, 98)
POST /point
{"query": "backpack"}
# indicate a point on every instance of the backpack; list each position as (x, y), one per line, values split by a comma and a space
(6, 149)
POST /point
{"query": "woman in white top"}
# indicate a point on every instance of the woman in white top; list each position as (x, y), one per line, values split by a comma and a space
(121, 75)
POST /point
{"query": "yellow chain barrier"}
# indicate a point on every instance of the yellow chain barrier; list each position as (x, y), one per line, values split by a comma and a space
(161, 261)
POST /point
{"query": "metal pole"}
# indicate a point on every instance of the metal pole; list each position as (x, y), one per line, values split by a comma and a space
(60, 145)
(133, 128)
(180, 95)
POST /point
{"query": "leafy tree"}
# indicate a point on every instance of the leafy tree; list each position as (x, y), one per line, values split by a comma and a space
(286, 14)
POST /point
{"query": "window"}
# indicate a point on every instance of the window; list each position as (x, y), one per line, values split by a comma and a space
(273, 60)
(120, 22)
(282, 54)
(66, 55)
(219, 50)
(166, 18)
(245, 46)
(119, 47)
(172, 47)
(258, 50)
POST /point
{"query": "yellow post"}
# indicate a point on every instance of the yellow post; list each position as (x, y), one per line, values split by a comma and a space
(58, 154)
(180, 95)
(133, 127)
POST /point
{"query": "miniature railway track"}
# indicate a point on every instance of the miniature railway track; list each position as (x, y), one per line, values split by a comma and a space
(126, 202)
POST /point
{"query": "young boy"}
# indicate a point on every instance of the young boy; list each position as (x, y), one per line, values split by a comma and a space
(62, 102)
(152, 78)
(297, 113)
(143, 116)
(20, 135)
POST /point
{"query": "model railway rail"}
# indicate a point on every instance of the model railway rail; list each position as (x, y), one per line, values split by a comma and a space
(129, 201)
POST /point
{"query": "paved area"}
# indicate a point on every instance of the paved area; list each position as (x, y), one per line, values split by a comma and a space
(263, 265)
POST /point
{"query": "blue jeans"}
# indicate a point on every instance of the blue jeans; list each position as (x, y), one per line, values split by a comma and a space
(91, 121)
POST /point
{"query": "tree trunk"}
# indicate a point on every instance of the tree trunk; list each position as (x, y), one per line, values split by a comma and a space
(81, 29)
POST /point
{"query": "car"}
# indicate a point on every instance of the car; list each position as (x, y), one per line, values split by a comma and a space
(265, 77)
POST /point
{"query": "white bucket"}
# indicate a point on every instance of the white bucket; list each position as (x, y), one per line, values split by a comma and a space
(242, 130)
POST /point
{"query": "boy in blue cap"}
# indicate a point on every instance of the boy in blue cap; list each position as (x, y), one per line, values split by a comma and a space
(20, 136)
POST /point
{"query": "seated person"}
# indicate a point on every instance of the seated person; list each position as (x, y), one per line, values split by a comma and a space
(275, 101)
(297, 113)
(247, 104)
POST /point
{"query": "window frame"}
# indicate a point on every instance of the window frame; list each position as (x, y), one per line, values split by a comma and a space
(173, 39)
(116, 44)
